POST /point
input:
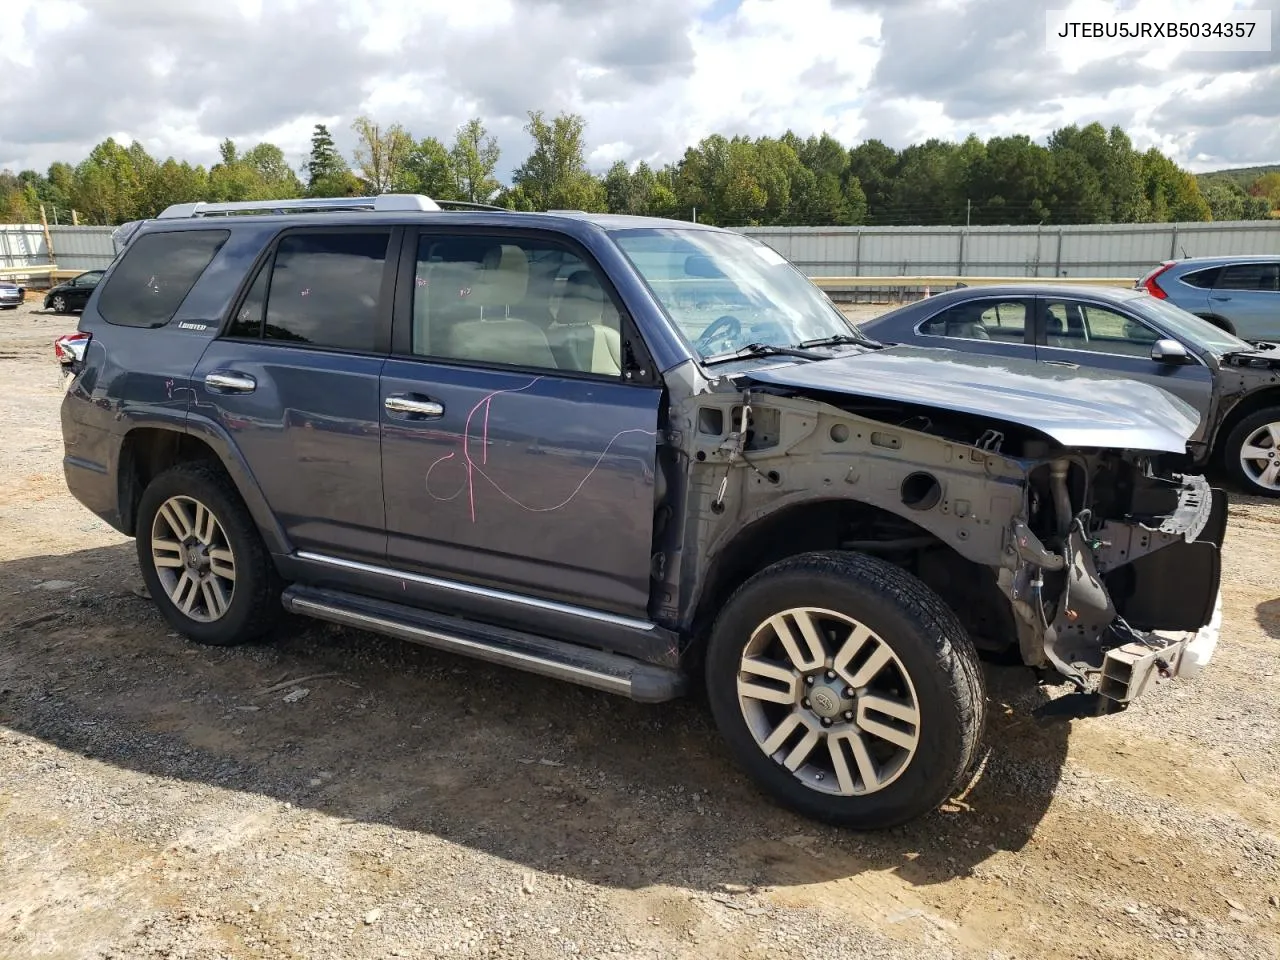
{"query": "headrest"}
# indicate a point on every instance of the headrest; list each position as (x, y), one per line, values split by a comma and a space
(583, 299)
(503, 278)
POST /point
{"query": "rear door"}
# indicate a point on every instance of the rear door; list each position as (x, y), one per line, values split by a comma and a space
(294, 380)
(995, 326)
(517, 454)
(1077, 332)
(1248, 295)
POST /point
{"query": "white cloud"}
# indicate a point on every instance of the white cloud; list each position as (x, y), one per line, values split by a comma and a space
(651, 78)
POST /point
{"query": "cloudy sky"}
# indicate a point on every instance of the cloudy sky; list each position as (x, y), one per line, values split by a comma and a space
(650, 76)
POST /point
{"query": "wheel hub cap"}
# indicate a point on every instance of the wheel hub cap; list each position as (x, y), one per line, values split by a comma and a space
(827, 700)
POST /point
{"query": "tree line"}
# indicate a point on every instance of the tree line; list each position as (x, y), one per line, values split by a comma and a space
(1080, 175)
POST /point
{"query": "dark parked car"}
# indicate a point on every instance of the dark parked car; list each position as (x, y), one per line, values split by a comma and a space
(11, 295)
(1238, 294)
(1234, 385)
(73, 294)
(522, 437)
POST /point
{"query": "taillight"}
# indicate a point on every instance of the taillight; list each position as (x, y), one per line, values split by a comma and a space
(1149, 284)
(70, 348)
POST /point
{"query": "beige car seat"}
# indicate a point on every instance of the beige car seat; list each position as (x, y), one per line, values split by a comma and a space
(580, 336)
(480, 323)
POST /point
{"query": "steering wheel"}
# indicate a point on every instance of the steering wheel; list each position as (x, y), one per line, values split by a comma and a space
(713, 337)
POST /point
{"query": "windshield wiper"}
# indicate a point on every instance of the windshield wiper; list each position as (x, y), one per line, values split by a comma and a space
(763, 350)
(840, 338)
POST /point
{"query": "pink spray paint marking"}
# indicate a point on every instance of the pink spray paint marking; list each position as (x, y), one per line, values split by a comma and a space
(473, 468)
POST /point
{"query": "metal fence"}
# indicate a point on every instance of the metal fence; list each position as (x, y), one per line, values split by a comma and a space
(74, 248)
(1094, 250)
(1102, 250)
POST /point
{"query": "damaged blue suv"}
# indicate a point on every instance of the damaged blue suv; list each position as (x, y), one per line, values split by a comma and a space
(631, 453)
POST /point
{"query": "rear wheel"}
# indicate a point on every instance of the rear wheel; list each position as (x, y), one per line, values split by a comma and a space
(202, 559)
(846, 689)
(1252, 452)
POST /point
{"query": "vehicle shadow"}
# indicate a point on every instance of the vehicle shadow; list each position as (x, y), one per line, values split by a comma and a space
(537, 772)
(1268, 613)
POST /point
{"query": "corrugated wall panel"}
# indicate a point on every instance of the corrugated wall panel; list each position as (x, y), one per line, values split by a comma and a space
(82, 248)
(1092, 250)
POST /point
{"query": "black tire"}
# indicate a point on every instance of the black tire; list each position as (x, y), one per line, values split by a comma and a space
(254, 609)
(59, 305)
(930, 644)
(1234, 444)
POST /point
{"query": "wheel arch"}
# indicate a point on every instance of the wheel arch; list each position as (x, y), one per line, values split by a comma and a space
(1247, 405)
(148, 450)
(968, 587)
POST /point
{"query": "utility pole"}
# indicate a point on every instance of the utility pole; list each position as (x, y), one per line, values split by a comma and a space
(968, 212)
(695, 214)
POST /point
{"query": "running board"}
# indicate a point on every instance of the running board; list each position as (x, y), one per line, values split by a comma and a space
(586, 666)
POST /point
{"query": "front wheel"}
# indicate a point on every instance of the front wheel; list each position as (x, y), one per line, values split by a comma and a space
(846, 689)
(59, 304)
(202, 558)
(1252, 452)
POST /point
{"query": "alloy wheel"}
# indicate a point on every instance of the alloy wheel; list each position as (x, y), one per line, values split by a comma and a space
(193, 559)
(1260, 456)
(829, 700)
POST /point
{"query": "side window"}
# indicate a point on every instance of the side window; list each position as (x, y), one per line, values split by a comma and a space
(1204, 279)
(1086, 326)
(1250, 276)
(1003, 320)
(512, 302)
(322, 288)
(156, 274)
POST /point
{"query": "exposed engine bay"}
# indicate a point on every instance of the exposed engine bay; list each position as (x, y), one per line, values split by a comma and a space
(1069, 556)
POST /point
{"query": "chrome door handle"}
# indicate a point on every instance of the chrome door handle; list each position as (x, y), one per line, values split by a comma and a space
(422, 408)
(231, 382)
(1062, 363)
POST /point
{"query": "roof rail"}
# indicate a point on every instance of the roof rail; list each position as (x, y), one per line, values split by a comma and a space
(470, 205)
(382, 203)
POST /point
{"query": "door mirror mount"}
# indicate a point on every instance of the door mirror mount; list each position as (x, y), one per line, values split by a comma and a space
(1169, 351)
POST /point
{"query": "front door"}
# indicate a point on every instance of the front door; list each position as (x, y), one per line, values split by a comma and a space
(293, 379)
(1076, 332)
(516, 454)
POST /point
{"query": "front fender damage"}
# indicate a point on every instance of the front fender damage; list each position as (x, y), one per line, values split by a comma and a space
(1102, 563)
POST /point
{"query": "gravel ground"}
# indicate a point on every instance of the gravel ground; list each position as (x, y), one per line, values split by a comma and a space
(339, 795)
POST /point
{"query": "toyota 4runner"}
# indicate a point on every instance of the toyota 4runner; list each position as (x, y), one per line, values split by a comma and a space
(629, 452)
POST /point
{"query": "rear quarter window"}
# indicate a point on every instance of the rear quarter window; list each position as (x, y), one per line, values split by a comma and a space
(157, 272)
(1204, 279)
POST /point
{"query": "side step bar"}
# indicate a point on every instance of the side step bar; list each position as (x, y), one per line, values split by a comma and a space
(610, 672)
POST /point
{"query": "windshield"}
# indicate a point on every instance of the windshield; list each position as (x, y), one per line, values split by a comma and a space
(1199, 332)
(725, 290)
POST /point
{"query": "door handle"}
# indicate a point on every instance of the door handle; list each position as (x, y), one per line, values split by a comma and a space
(1062, 363)
(230, 382)
(420, 408)
(1219, 298)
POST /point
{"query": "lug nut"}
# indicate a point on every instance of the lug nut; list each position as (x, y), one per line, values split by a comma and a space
(831, 674)
(848, 714)
(848, 691)
(805, 704)
(826, 721)
(809, 681)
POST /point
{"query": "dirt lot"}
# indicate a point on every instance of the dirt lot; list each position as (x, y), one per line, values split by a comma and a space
(339, 795)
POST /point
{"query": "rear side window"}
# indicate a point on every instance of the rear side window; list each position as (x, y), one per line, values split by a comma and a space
(155, 276)
(1204, 279)
(322, 289)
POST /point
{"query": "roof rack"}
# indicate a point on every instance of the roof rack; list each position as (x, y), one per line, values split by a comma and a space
(469, 205)
(383, 203)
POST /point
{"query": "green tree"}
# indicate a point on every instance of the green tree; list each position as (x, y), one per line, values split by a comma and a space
(474, 158)
(381, 154)
(874, 165)
(555, 175)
